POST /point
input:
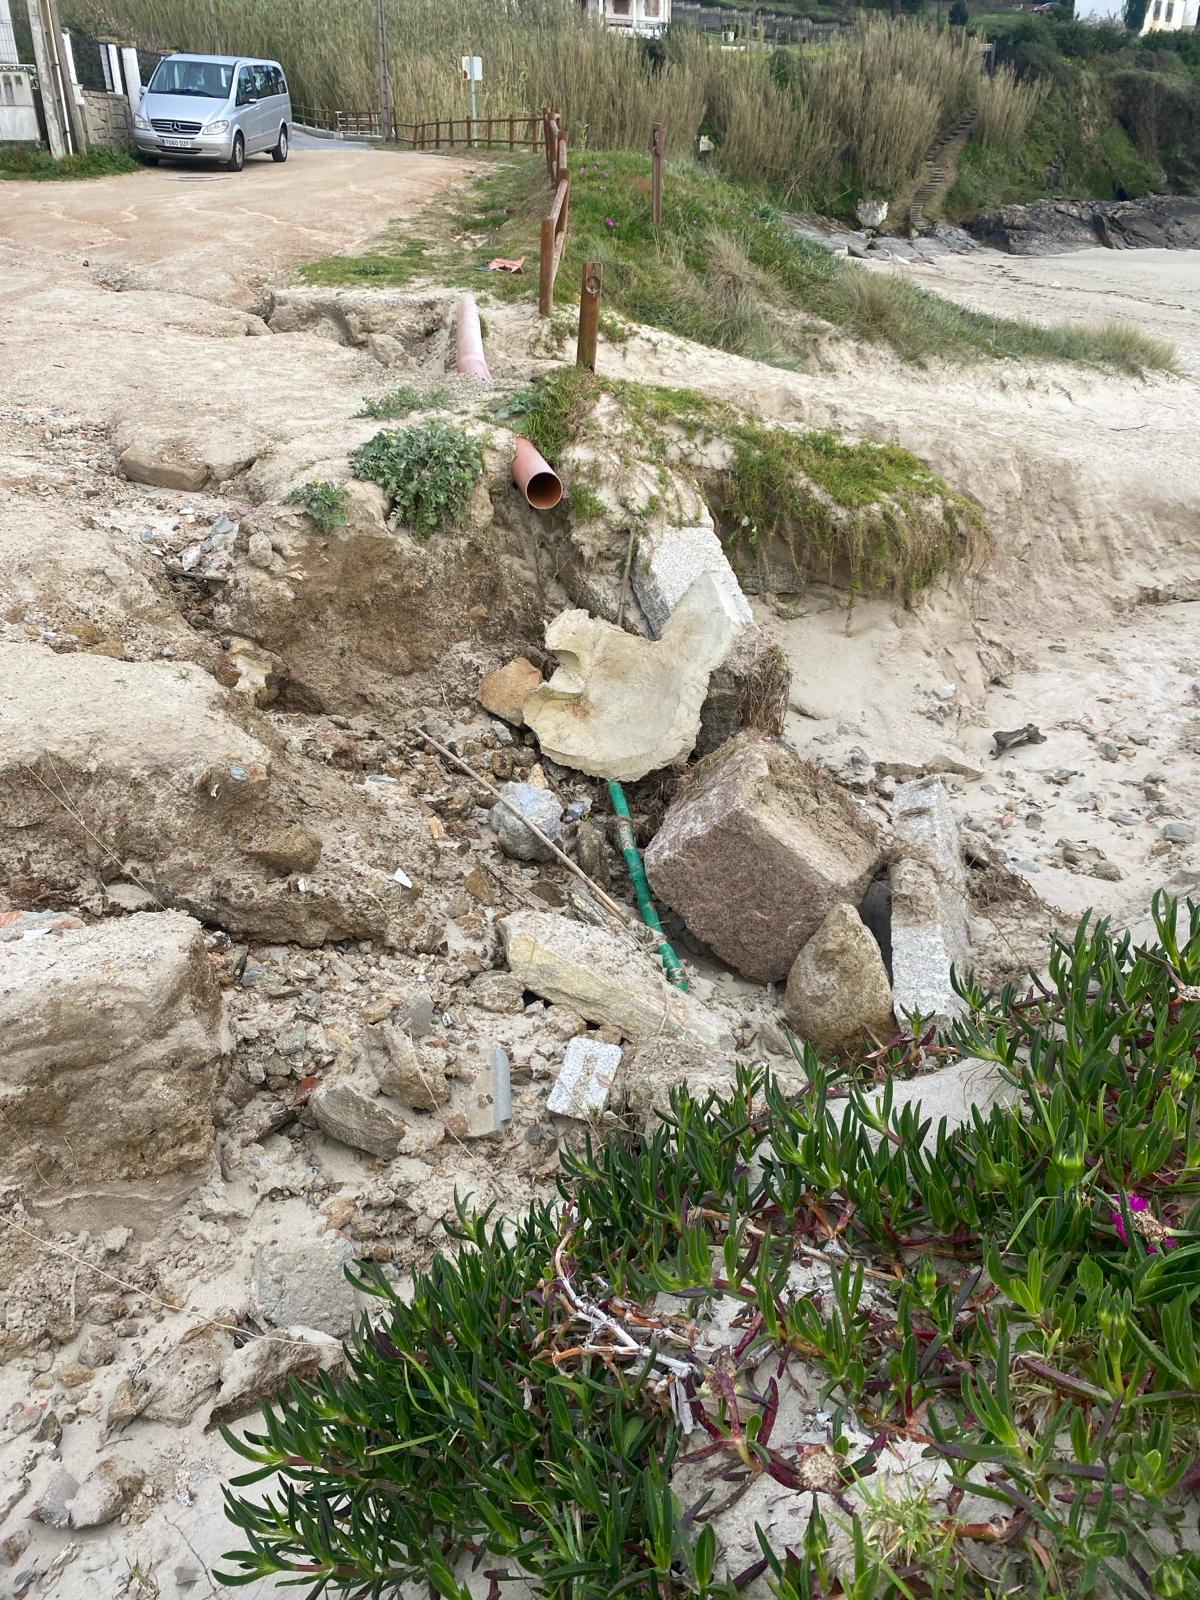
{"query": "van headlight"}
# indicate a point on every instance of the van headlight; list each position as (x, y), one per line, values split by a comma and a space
(140, 121)
(216, 127)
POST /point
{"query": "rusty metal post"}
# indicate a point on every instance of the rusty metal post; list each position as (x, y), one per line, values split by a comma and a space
(589, 315)
(656, 156)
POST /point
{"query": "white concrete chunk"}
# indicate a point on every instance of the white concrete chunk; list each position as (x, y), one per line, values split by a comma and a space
(929, 901)
(586, 1080)
(669, 560)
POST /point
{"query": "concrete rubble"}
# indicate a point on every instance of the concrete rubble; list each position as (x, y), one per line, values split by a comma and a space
(838, 989)
(585, 1083)
(756, 849)
(541, 808)
(929, 901)
(619, 706)
(505, 691)
(604, 977)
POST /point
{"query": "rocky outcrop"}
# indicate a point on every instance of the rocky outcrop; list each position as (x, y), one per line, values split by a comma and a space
(116, 770)
(620, 706)
(756, 850)
(605, 978)
(838, 989)
(1050, 227)
(109, 1042)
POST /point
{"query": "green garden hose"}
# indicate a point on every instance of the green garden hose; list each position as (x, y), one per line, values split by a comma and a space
(641, 887)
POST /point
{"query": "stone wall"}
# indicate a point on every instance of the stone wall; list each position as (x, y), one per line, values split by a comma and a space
(108, 119)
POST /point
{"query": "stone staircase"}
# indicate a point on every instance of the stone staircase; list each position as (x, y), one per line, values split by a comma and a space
(938, 168)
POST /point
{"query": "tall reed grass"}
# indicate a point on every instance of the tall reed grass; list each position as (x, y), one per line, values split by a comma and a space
(1005, 108)
(852, 114)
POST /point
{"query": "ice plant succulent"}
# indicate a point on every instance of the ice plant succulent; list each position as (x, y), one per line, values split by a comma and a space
(534, 1410)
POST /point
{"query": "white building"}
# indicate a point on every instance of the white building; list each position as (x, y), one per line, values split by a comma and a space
(18, 116)
(645, 17)
(1162, 16)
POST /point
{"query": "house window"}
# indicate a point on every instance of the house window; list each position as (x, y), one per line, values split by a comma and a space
(652, 8)
(1170, 9)
(1157, 10)
(620, 8)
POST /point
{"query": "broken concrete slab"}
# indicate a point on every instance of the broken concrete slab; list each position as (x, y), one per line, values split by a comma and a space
(505, 691)
(585, 1080)
(392, 1057)
(668, 562)
(929, 901)
(605, 978)
(306, 1285)
(348, 1108)
(265, 1367)
(838, 989)
(620, 706)
(164, 466)
(951, 1093)
(756, 849)
(110, 1038)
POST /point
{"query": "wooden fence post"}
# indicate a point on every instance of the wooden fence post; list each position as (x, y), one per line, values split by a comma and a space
(546, 273)
(589, 315)
(656, 155)
(512, 124)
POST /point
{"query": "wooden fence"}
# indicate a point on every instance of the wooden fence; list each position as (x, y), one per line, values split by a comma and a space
(515, 131)
(554, 223)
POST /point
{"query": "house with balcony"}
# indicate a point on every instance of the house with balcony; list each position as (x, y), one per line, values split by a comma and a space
(643, 17)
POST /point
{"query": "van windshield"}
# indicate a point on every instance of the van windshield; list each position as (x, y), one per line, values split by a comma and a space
(207, 80)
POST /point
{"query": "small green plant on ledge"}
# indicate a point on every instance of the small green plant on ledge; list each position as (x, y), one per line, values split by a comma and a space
(406, 397)
(956, 1364)
(429, 473)
(324, 502)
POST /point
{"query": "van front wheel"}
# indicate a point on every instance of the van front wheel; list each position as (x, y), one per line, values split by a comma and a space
(280, 151)
(237, 159)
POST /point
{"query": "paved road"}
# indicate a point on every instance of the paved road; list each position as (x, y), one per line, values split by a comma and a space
(223, 234)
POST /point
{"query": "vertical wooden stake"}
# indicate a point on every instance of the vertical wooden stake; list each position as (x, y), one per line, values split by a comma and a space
(546, 274)
(512, 123)
(589, 315)
(656, 156)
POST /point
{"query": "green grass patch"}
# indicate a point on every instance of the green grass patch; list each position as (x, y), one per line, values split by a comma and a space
(724, 269)
(871, 517)
(393, 265)
(39, 166)
(402, 400)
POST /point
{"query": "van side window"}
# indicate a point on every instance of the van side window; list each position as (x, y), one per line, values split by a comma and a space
(262, 82)
(245, 87)
(283, 88)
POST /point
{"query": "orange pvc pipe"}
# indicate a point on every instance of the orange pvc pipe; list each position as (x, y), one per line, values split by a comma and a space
(471, 358)
(535, 477)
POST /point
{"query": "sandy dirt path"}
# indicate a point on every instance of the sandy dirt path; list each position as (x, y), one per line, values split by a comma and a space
(220, 235)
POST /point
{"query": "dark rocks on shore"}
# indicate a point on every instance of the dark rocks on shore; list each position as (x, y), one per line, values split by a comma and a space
(1050, 227)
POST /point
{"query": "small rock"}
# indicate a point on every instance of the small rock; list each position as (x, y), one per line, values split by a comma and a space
(1107, 750)
(348, 1109)
(293, 849)
(73, 1374)
(505, 691)
(838, 987)
(158, 466)
(187, 1576)
(15, 1545)
(541, 808)
(49, 1430)
(54, 1503)
(392, 1057)
(1107, 870)
(292, 1040)
(259, 551)
(103, 1494)
(264, 1367)
(1179, 832)
(498, 992)
(583, 1087)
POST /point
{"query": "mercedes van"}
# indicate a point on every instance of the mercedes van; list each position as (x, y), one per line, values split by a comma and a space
(223, 108)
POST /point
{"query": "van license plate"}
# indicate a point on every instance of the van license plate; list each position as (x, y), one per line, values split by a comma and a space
(177, 144)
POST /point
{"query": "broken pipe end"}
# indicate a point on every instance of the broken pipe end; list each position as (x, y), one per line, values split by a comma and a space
(535, 477)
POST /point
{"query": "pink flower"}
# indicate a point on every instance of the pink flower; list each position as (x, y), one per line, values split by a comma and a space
(1152, 1230)
(609, 223)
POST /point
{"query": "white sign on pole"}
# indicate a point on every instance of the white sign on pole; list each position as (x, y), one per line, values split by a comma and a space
(472, 69)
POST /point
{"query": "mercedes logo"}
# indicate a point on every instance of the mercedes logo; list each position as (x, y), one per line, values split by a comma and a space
(174, 127)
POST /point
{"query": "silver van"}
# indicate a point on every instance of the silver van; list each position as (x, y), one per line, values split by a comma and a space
(223, 108)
